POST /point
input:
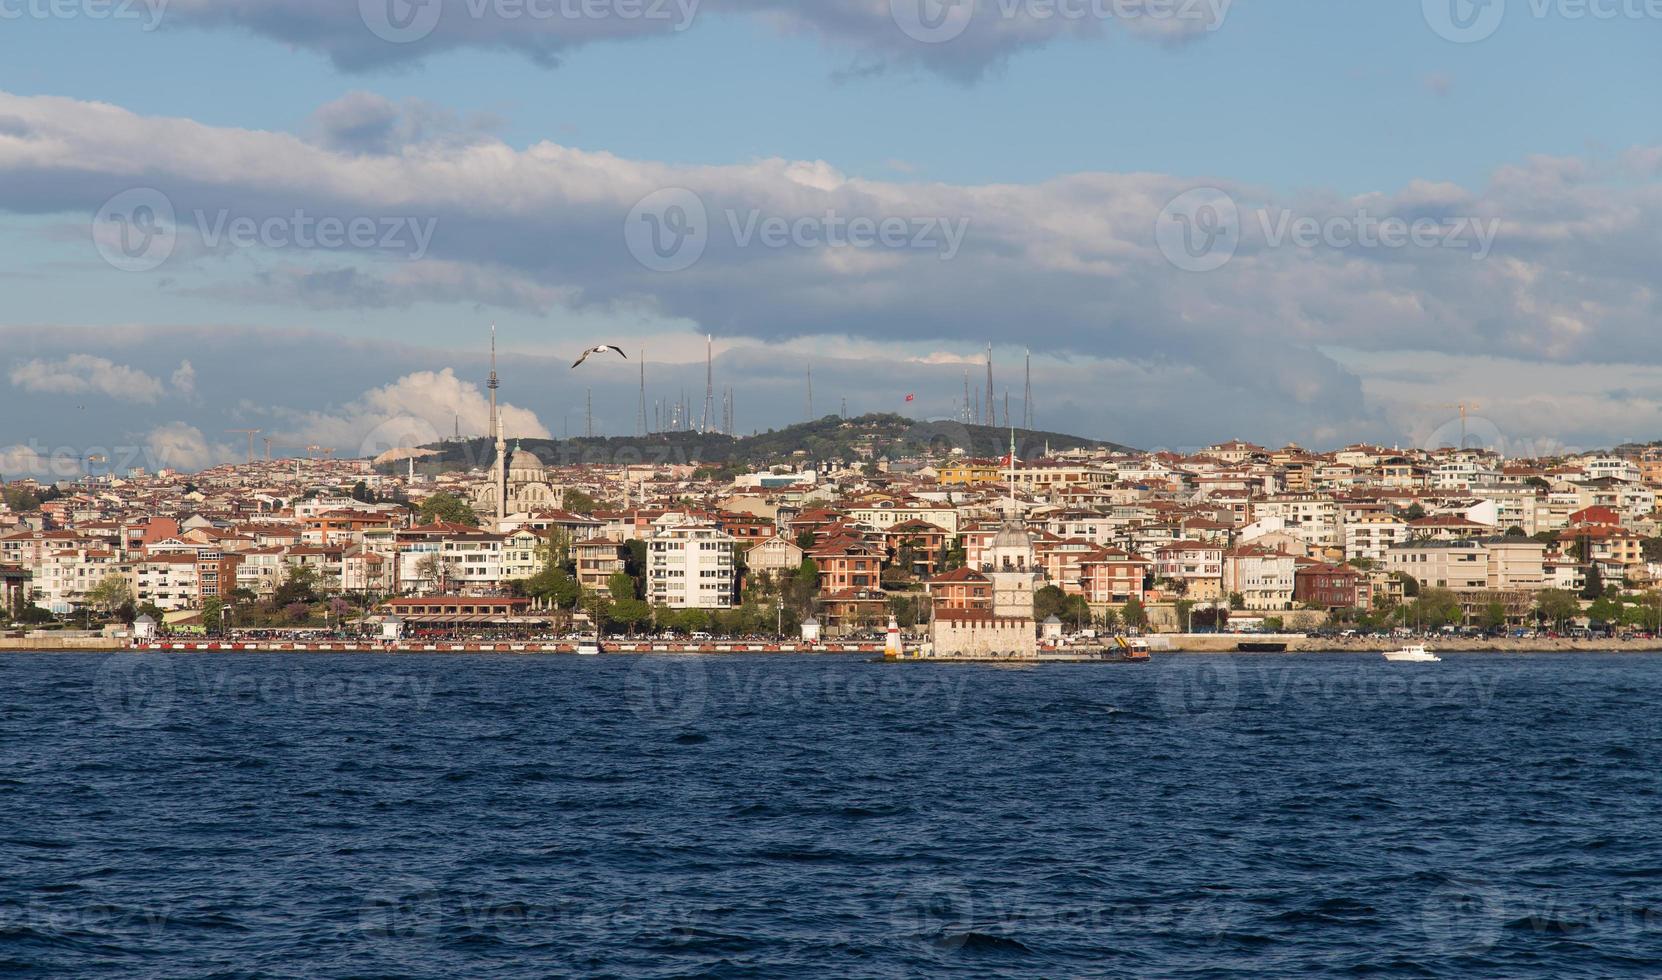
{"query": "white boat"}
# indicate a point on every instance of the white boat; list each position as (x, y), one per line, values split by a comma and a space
(1413, 653)
(587, 647)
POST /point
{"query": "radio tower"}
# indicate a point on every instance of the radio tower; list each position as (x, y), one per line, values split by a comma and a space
(810, 393)
(992, 410)
(1027, 398)
(968, 418)
(709, 381)
(640, 414)
(588, 414)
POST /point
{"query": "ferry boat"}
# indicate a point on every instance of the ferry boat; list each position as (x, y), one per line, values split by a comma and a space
(1413, 653)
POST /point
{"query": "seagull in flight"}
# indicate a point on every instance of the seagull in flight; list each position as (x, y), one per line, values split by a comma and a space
(602, 349)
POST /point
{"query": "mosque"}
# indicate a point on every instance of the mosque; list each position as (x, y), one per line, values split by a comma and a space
(518, 482)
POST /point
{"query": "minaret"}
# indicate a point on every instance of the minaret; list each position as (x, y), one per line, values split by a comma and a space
(499, 468)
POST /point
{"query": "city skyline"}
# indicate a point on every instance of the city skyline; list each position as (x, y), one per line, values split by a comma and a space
(1356, 288)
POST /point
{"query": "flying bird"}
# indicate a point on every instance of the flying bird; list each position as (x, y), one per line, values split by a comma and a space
(602, 349)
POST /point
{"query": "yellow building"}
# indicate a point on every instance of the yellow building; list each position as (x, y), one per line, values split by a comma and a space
(968, 472)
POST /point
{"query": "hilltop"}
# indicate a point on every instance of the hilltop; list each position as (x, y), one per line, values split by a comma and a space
(828, 439)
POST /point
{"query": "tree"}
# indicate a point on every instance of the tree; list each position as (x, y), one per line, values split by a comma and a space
(1556, 606)
(1493, 616)
(1516, 532)
(1134, 615)
(1438, 607)
(111, 593)
(361, 493)
(1413, 513)
(213, 617)
(1237, 602)
(1594, 585)
(554, 588)
(1605, 610)
(447, 508)
(621, 586)
(300, 584)
(434, 570)
(578, 502)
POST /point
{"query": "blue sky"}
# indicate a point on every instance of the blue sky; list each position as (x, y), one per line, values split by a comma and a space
(1057, 151)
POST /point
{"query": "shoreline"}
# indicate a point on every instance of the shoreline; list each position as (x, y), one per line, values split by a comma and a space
(1160, 645)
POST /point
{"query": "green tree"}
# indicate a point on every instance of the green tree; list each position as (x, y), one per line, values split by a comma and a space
(554, 588)
(1438, 607)
(447, 508)
(111, 593)
(621, 586)
(1134, 615)
(1557, 606)
(213, 615)
(1493, 616)
(1593, 588)
(1237, 602)
(1605, 610)
(578, 502)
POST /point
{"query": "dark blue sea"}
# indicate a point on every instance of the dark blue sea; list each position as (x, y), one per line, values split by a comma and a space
(337, 816)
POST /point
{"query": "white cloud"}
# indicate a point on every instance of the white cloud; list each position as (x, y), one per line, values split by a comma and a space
(181, 446)
(80, 374)
(417, 409)
(184, 379)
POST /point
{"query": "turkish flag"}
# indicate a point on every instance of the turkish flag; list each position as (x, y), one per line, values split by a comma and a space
(911, 398)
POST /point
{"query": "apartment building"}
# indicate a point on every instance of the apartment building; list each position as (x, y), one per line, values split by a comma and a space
(691, 566)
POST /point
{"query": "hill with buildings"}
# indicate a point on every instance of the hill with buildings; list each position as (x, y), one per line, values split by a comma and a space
(828, 440)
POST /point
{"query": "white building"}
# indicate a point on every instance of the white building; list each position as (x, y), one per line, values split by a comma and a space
(690, 566)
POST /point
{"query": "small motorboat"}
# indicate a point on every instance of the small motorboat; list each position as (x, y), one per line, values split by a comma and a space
(588, 647)
(1414, 653)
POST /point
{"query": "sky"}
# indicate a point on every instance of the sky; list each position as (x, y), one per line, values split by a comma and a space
(1300, 221)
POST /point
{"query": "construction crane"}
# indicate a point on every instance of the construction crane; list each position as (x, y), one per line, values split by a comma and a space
(1465, 408)
(250, 433)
